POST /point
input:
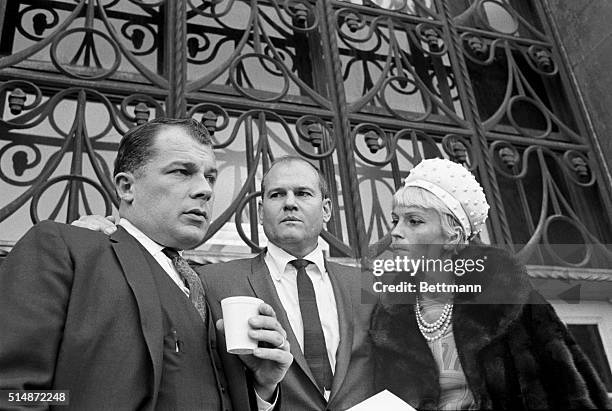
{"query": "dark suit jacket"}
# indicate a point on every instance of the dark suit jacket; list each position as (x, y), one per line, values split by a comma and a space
(80, 311)
(353, 377)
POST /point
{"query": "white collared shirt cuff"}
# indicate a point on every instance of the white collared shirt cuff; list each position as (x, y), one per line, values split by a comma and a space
(263, 405)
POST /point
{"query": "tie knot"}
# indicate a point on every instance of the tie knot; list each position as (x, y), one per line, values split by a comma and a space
(300, 263)
(171, 253)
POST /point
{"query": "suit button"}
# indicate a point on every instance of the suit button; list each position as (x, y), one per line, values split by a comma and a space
(222, 388)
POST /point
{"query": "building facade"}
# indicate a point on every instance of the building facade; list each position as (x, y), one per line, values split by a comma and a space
(364, 89)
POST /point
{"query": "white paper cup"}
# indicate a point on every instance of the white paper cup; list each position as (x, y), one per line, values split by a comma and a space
(236, 314)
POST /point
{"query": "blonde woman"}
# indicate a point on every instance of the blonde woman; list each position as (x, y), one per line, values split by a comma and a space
(477, 335)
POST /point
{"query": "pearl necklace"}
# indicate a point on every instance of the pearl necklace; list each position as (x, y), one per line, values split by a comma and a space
(440, 325)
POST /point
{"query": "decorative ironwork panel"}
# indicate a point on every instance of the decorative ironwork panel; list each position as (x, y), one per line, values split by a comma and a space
(548, 185)
(400, 97)
(365, 89)
(75, 76)
(396, 65)
(259, 75)
(258, 50)
(86, 40)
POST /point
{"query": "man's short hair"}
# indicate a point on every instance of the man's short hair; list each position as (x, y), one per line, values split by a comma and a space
(136, 146)
(323, 186)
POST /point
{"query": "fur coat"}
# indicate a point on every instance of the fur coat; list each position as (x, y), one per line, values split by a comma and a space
(516, 355)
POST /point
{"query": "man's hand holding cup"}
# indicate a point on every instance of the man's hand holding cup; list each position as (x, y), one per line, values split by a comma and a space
(253, 332)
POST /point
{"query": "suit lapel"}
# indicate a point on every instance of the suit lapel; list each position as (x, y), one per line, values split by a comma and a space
(138, 276)
(345, 320)
(261, 282)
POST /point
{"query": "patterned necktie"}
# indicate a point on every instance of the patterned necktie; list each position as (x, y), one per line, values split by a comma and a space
(315, 349)
(196, 291)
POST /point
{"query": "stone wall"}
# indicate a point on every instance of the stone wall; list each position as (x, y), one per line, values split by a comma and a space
(584, 28)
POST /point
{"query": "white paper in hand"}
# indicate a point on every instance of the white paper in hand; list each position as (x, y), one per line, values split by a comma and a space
(384, 400)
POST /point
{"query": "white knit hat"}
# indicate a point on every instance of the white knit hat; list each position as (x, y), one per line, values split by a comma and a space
(456, 187)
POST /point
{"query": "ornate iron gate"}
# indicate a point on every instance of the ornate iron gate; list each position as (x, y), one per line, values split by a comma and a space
(364, 90)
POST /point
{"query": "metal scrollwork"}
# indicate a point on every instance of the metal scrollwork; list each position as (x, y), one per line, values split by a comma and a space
(478, 49)
(365, 90)
(27, 52)
(519, 94)
(239, 210)
(211, 114)
(212, 5)
(317, 133)
(353, 21)
(260, 67)
(476, 45)
(43, 19)
(20, 162)
(375, 139)
(304, 18)
(117, 41)
(18, 95)
(69, 178)
(535, 107)
(541, 60)
(75, 141)
(506, 159)
(195, 47)
(509, 26)
(432, 36)
(459, 150)
(356, 23)
(137, 34)
(16, 101)
(152, 3)
(87, 53)
(507, 20)
(238, 65)
(142, 108)
(390, 77)
(553, 249)
(284, 57)
(52, 109)
(555, 205)
(578, 168)
(107, 4)
(393, 5)
(400, 85)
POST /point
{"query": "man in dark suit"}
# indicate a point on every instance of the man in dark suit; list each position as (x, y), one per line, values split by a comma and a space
(121, 321)
(318, 302)
(332, 369)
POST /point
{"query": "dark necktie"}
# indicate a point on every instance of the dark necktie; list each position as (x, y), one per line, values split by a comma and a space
(196, 291)
(315, 350)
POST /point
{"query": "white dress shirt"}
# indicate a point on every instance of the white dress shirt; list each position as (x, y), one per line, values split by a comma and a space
(284, 276)
(156, 251)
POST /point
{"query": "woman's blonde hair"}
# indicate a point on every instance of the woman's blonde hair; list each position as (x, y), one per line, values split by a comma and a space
(419, 197)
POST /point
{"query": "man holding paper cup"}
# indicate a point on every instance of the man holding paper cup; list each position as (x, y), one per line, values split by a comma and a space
(317, 302)
(121, 321)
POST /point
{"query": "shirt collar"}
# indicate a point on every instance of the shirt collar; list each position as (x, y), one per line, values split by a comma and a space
(280, 258)
(151, 246)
